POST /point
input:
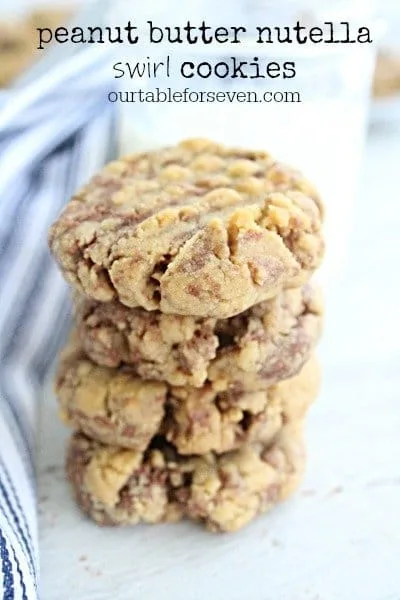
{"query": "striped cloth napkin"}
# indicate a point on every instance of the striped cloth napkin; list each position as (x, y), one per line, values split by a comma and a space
(54, 133)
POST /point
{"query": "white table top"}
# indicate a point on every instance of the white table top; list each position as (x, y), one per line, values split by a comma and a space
(339, 537)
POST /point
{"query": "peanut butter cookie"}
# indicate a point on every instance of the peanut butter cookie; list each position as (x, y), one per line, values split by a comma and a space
(17, 48)
(226, 492)
(18, 40)
(268, 342)
(118, 486)
(107, 404)
(199, 421)
(197, 229)
(116, 407)
(124, 487)
(387, 75)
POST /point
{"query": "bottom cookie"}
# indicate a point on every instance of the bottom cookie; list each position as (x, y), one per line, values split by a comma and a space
(123, 487)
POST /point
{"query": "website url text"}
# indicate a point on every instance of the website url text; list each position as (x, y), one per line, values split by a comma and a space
(168, 95)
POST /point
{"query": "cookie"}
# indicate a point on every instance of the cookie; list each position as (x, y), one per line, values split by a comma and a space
(107, 404)
(18, 41)
(49, 17)
(225, 492)
(269, 341)
(17, 49)
(197, 229)
(116, 486)
(387, 75)
(199, 421)
(116, 407)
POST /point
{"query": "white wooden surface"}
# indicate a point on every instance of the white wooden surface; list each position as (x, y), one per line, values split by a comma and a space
(339, 537)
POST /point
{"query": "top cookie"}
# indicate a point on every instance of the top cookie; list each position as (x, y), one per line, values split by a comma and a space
(196, 229)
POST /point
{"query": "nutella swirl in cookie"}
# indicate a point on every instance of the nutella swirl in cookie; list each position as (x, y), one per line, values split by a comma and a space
(197, 229)
(115, 407)
(224, 492)
(266, 343)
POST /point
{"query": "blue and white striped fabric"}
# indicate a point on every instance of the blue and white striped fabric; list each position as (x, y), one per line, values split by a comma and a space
(54, 134)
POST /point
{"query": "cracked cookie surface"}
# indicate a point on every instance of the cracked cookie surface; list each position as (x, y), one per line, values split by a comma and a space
(197, 229)
(118, 486)
(224, 492)
(268, 342)
(118, 408)
(200, 420)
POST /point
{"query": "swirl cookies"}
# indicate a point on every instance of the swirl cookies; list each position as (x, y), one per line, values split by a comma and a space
(266, 343)
(197, 229)
(191, 367)
(115, 407)
(124, 487)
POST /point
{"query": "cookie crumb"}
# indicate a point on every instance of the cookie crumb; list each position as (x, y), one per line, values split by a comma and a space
(338, 489)
(308, 493)
(276, 543)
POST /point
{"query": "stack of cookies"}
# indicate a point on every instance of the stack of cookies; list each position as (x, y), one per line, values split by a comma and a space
(191, 367)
